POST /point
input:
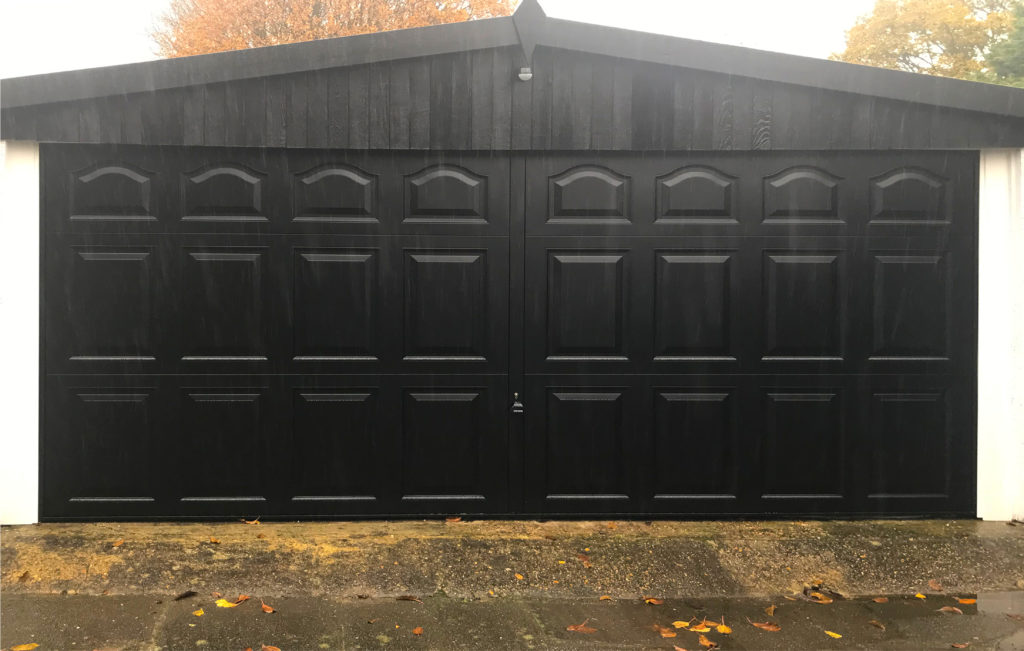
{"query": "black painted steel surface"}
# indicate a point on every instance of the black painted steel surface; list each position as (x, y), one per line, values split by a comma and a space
(292, 333)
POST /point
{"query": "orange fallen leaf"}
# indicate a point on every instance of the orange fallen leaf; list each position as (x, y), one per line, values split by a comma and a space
(677, 648)
(519, 577)
(881, 600)
(248, 648)
(833, 634)
(605, 597)
(418, 630)
(267, 647)
(960, 645)
(877, 624)
(967, 602)
(198, 613)
(24, 647)
(409, 597)
(256, 521)
(455, 519)
(116, 544)
(217, 595)
(770, 610)
(680, 624)
(818, 598)
(952, 610)
(920, 596)
(766, 626)
(224, 603)
(722, 628)
(651, 601)
(581, 628)
(266, 608)
(214, 540)
(241, 598)
(664, 631)
(261, 535)
(700, 628)
(934, 585)
(704, 641)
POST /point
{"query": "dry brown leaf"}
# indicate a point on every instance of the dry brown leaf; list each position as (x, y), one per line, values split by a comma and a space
(408, 597)
(261, 535)
(116, 544)
(241, 598)
(770, 610)
(960, 645)
(372, 621)
(217, 595)
(266, 608)
(267, 647)
(519, 577)
(581, 628)
(455, 519)
(704, 641)
(651, 601)
(418, 630)
(24, 647)
(818, 598)
(766, 626)
(967, 602)
(934, 585)
(952, 610)
(664, 631)
(585, 559)
(256, 521)
(877, 624)
(605, 597)
(214, 540)
(612, 525)
(881, 600)
(24, 577)
(833, 634)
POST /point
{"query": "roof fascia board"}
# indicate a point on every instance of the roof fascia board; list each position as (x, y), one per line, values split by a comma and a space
(257, 62)
(784, 68)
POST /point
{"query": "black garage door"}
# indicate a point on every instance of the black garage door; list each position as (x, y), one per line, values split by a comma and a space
(299, 333)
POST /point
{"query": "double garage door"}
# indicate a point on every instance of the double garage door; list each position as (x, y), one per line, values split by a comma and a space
(301, 333)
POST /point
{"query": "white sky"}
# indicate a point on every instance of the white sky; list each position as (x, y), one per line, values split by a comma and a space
(51, 35)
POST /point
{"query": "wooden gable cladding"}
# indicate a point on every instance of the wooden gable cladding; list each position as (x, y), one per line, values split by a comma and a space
(473, 101)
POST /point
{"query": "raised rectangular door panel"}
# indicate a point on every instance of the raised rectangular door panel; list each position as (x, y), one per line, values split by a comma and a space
(803, 450)
(586, 308)
(692, 320)
(442, 445)
(587, 438)
(910, 451)
(803, 305)
(911, 307)
(696, 444)
(446, 305)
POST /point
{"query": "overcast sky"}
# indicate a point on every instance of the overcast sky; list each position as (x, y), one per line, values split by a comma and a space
(51, 35)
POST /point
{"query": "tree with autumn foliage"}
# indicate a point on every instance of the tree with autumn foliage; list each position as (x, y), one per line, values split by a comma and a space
(203, 26)
(947, 38)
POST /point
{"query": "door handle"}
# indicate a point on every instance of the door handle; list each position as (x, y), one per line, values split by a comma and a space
(517, 407)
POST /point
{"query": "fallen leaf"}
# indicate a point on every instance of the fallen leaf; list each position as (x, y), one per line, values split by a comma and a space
(651, 601)
(700, 628)
(24, 647)
(960, 645)
(198, 613)
(214, 540)
(266, 608)
(704, 641)
(920, 596)
(186, 595)
(1019, 618)
(770, 610)
(664, 631)
(267, 647)
(455, 519)
(881, 600)
(766, 626)
(216, 595)
(261, 535)
(677, 648)
(224, 603)
(722, 628)
(581, 628)
(818, 598)
(248, 648)
(680, 624)
(585, 559)
(24, 577)
(612, 525)
(408, 597)
(519, 577)
(833, 634)
(418, 630)
(116, 544)
(967, 602)
(605, 597)
(877, 624)
(952, 610)
(241, 598)
(256, 521)
(362, 596)
(934, 585)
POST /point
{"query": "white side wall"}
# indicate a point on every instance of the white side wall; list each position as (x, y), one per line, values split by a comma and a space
(1001, 336)
(19, 332)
